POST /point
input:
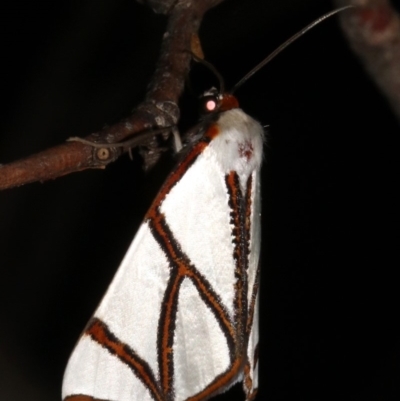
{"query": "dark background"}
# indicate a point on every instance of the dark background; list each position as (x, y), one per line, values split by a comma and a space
(329, 295)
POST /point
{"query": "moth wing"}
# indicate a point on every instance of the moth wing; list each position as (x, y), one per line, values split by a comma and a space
(198, 218)
(164, 329)
(105, 364)
(251, 370)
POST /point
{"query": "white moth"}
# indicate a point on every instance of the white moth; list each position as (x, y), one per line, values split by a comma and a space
(180, 319)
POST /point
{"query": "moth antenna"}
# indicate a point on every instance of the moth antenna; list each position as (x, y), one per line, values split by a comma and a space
(213, 70)
(286, 44)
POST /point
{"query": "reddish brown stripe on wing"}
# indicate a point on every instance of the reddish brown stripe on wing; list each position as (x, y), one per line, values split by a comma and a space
(180, 262)
(219, 382)
(100, 333)
(240, 255)
(176, 175)
(181, 267)
(81, 397)
(247, 380)
(166, 325)
(248, 209)
(166, 329)
(213, 301)
(253, 395)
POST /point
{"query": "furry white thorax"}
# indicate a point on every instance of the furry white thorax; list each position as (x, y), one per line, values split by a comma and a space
(238, 146)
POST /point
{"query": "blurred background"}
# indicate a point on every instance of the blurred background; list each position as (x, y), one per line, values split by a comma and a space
(329, 294)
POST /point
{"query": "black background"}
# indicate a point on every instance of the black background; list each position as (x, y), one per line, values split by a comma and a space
(329, 295)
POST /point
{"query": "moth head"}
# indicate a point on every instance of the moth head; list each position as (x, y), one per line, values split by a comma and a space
(213, 101)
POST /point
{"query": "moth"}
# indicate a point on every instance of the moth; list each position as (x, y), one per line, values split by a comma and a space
(179, 321)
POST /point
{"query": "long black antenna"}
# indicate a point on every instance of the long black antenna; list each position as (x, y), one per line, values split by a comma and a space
(286, 44)
(213, 70)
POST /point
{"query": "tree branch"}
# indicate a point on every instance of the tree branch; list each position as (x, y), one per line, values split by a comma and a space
(159, 109)
(373, 30)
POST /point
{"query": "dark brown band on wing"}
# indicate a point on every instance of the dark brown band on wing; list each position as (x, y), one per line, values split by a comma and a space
(253, 395)
(247, 376)
(165, 333)
(237, 204)
(220, 382)
(213, 301)
(248, 213)
(180, 262)
(247, 380)
(181, 267)
(100, 333)
(169, 306)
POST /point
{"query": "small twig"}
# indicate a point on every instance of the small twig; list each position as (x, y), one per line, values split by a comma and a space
(159, 109)
(129, 143)
(373, 30)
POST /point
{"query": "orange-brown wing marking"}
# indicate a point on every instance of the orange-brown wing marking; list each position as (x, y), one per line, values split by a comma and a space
(219, 382)
(100, 333)
(240, 205)
(181, 267)
(247, 381)
(241, 208)
(80, 397)
(176, 175)
(248, 207)
(212, 300)
(253, 395)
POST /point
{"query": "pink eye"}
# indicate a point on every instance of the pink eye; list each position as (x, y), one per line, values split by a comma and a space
(211, 105)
